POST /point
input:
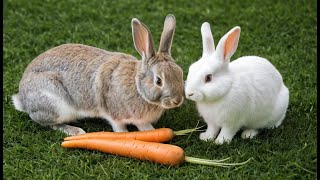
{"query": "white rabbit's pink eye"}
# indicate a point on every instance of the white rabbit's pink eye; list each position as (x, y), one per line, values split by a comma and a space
(208, 78)
(159, 81)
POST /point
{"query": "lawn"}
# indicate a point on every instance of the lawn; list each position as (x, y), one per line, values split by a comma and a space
(282, 31)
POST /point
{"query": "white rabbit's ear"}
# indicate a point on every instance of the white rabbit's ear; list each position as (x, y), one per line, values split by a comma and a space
(207, 39)
(167, 34)
(228, 44)
(142, 39)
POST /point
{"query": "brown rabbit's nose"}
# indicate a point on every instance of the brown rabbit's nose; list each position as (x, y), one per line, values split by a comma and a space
(176, 101)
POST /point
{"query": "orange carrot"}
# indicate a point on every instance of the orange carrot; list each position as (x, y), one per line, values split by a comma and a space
(156, 135)
(156, 152)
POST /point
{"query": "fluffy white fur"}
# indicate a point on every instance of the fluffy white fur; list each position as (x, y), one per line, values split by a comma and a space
(17, 103)
(247, 93)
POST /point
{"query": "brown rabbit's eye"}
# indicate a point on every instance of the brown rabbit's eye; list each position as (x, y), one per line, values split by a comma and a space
(159, 81)
(208, 78)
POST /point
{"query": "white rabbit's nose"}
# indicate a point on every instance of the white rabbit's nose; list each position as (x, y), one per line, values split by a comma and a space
(194, 95)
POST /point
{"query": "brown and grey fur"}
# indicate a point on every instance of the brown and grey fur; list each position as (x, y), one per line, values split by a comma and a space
(73, 81)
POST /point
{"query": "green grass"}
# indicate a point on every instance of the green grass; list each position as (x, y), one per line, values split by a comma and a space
(282, 31)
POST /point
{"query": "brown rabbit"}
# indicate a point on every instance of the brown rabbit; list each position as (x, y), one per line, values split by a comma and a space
(74, 81)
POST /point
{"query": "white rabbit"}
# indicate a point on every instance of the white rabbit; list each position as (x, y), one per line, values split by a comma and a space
(247, 93)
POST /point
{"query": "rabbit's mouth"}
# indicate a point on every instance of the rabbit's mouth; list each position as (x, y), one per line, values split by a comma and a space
(169, 103)
(194, 96)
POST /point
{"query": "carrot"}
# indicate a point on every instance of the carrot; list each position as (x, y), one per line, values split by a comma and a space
(156, 135)
(166, 154)
(161, 153)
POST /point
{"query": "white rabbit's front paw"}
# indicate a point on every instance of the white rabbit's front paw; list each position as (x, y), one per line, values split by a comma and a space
(205, 136)
(222, 140)
(249, 133)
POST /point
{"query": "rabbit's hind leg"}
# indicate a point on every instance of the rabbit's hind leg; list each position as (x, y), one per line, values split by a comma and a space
(280, 108)
(46, 113)
(67, 129)
(45, 118)
(48, 103)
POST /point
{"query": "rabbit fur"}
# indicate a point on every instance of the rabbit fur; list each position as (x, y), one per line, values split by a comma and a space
(75, 81)
(247, 93)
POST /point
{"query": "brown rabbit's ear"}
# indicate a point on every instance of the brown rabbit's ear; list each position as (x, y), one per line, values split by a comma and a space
(142, 39)
(167, 34)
